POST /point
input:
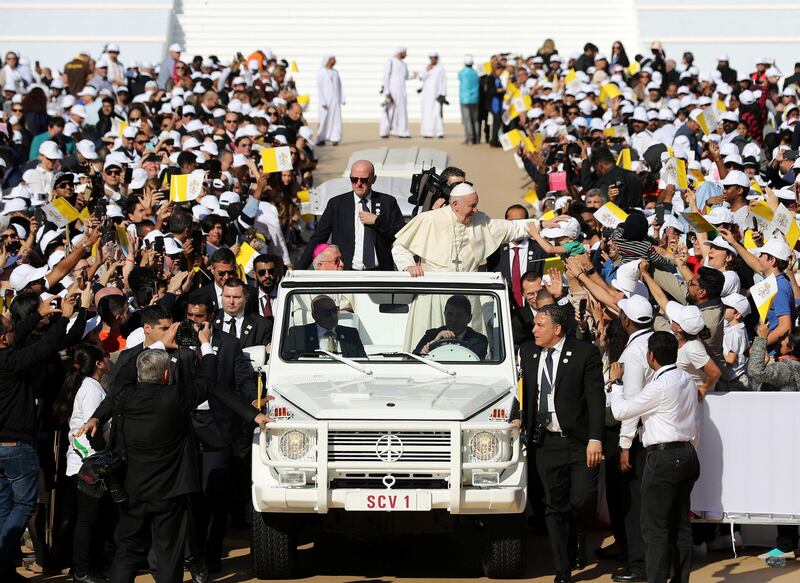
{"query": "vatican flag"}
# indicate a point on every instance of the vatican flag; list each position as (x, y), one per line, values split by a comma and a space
(276, 159)
(186, 187)
(763, 293)
(510, 140)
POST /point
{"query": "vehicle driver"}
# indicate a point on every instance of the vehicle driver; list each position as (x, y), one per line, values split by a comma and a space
(457, 316)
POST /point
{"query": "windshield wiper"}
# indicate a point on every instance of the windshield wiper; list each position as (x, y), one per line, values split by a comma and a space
(349, 362)
(431, 363)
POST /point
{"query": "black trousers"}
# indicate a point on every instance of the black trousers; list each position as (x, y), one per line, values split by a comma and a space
(210, 507)
(570, 493)
(87, 538)
(497, 124)
(162, 525)
(616, 491)
(667, 482)
(633, 510)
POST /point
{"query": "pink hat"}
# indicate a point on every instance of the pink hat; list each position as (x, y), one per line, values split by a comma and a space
(319, 249)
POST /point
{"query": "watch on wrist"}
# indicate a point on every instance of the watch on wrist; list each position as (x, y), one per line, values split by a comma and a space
(591, 271)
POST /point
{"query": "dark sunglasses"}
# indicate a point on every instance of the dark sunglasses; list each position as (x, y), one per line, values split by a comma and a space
(16, 110)
(141, 142)
(65, 185)
(327, 311)
(231, 273)
(359, 180)
(262, 272)
(113, 172)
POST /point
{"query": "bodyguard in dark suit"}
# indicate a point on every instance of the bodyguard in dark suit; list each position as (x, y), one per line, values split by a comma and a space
(223, 267)
(220, 439)
(565, 419)
(324, 333)
(362, 223)
(249, 328)
(527, 254)
(457, 315)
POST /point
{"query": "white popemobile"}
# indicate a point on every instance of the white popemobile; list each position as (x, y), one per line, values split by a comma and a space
(390, 400)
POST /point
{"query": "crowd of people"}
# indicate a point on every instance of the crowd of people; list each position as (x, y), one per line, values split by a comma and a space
(660, 199)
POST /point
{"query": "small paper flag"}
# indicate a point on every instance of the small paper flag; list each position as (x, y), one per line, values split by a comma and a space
(67, 211)
(754, 185)
(749, 242)
(276, 159)
(487, 68)
(633, 68)
(549, 215)
(303, 100)
(762, 211)
(610, 215)
(721, 107)
(511, 140)
(624, 159)
(569, 77)
(699, 222)
(608, 92)
(763, 293)
(707, 120)
(186, 187)
(519, 393)
(554, 263)
(294, 67)
(531, 197)
(244, 259)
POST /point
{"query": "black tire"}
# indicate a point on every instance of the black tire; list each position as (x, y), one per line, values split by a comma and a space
(273, 546)
(504, 550)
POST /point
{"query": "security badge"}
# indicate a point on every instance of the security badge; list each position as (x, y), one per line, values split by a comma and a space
(377, 209)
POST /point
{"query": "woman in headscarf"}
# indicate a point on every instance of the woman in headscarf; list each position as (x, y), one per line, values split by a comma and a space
(331, 99)
(618, 55)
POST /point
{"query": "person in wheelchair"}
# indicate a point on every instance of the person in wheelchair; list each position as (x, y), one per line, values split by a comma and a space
(457, 315)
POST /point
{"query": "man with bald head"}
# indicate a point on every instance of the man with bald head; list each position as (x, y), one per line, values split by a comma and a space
(362, 223)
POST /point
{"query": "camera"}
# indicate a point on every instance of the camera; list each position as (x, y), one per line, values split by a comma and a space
(186, 335)
(426, 188)
(158, 245)
(537, 435)
(103, 472)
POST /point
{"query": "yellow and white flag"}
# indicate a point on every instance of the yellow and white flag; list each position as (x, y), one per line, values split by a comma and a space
(304, 100)
(569, 77)
(487, 68)
(610, 215)
(675, 173)
(245, 258)
(294, 67)
(763, 293)
(761, 212)
(624, 159)
(67, 211)
(276, 159)
(708, 120)
(531, 197)
(608, 92)
(784, 221)
(510, 140)
(186, 187)
(699, 222)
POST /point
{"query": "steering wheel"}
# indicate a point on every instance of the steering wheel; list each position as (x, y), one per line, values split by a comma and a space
(443, 341)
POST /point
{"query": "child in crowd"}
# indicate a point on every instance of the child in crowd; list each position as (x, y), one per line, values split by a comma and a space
(735, 344)
(565, 235)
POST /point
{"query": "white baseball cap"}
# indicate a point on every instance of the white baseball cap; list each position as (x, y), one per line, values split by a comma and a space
(719, 215)
(637, 309)
(25, 274)
(776, 247)
(720, 243)
(49, 150)
(86, 149)
(736, 178)
(738, 302)
(175, 48)
(689, 318)
(569, 228)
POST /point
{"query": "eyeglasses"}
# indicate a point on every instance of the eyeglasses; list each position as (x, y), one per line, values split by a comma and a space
(262, 272)
(359, 180)
(189, 115)
(16, 110)
(272, 113)
(141, 142)
(231, 121)
(229, 273)
(337, 261)
(7, 237)
(113, 172)
(65, 185)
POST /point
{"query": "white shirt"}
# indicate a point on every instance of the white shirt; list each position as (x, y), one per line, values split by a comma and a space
(218, 291)
(358, 250)
(522, 259)
(323, 340)
(734, 340)
(553, 425)
(635, 375)
(692, 357)
(89, 396)
(226, 323)
(667, 406)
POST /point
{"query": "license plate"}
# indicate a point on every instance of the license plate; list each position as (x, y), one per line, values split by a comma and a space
(388, 501)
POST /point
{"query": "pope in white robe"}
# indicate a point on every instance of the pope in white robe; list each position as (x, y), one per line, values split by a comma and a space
(434, 86)
(394, 119)
(331, 99)
(456, 237)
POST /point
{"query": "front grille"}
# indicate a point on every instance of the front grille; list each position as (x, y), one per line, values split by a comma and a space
(373, 483)
(389, 446)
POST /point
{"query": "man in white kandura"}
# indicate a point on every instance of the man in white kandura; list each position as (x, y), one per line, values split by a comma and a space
(331, 99)
(434, 90)
(394, 119)
(456, 237)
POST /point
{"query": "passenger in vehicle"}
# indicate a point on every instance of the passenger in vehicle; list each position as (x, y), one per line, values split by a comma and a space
(324, 333)
(457, 315)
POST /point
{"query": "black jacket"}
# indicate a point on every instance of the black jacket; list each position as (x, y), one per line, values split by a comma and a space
(475, 341)
(17, 399)
(630, 194)
(256, 330)
(305, 339)
(208, 293)
(500, 261)
(337, 223)
(161, 456)
(579, 397)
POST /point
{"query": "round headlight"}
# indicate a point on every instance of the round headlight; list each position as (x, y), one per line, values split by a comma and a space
(484, 447)
(294, 444)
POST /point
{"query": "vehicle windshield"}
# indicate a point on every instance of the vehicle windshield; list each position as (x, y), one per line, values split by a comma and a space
(393, 326)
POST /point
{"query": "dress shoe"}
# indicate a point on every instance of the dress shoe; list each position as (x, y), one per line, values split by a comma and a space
(89, 578)
(612, 551)
(627, 576)
(563, 578)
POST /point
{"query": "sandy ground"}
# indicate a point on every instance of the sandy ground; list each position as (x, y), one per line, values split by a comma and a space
(448, 558)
